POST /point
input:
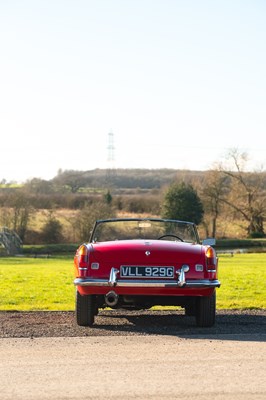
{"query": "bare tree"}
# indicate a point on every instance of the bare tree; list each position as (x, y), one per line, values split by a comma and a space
(86, 218)
(213, 192)
(16, 214)
(73, 180)
(247, 195)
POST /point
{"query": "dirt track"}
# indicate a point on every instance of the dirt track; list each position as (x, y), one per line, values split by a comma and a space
(150, 355)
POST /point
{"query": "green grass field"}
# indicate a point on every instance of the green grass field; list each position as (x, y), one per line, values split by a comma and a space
(36, 284)
(47, 284)
(243, 279)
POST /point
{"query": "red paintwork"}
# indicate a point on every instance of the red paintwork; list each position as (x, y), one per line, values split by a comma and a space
(147, 291)
(132, 252)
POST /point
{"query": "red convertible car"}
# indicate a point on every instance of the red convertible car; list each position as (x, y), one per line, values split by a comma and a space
(138, 263)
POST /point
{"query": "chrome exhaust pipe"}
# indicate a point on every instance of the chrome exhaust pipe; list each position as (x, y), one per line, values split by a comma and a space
(111, 299)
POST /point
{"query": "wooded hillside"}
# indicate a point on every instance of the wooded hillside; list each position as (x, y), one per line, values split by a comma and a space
(63, 208)
(123, 178)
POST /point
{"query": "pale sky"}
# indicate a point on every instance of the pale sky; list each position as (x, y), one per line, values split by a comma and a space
(177, 82)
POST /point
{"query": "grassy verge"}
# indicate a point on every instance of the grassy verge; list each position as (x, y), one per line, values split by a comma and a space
(243, 278)
(47, 284)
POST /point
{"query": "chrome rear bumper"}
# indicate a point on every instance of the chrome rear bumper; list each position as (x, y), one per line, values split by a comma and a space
(150, 283)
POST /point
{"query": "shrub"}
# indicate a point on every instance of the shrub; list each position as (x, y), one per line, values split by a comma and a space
(52, 231)
(182, 202)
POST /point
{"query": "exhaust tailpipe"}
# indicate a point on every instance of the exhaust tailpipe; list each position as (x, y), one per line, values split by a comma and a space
(111, 299)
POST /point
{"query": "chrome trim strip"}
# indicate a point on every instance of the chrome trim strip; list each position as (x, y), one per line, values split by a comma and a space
(202, 283)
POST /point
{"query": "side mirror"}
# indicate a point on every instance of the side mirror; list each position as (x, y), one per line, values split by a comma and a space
(209, 242)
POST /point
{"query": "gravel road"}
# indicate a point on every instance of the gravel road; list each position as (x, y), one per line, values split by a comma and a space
(121, 323)
(132, 355)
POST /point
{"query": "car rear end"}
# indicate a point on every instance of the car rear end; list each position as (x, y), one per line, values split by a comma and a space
(143, 273)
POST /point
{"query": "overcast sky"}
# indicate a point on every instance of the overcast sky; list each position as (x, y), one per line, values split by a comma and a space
(177, 82)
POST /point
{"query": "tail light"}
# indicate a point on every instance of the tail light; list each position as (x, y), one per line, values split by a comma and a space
(211, 259)
(82, 258)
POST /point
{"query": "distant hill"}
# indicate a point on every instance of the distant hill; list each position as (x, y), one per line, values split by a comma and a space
(125, 178)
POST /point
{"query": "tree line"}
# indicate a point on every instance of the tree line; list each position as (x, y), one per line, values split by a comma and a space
(201, 197)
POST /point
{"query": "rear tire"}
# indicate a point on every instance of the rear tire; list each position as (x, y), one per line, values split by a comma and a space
(190, 309)
(206, 311)
(85, 309)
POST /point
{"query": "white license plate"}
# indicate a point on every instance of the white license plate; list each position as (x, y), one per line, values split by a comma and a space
(132, 271)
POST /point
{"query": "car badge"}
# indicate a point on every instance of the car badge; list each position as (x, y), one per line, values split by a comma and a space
(147, 253)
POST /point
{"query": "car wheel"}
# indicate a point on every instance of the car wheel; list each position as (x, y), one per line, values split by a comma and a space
(206, 311)
(85, 309)
(190, 309)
